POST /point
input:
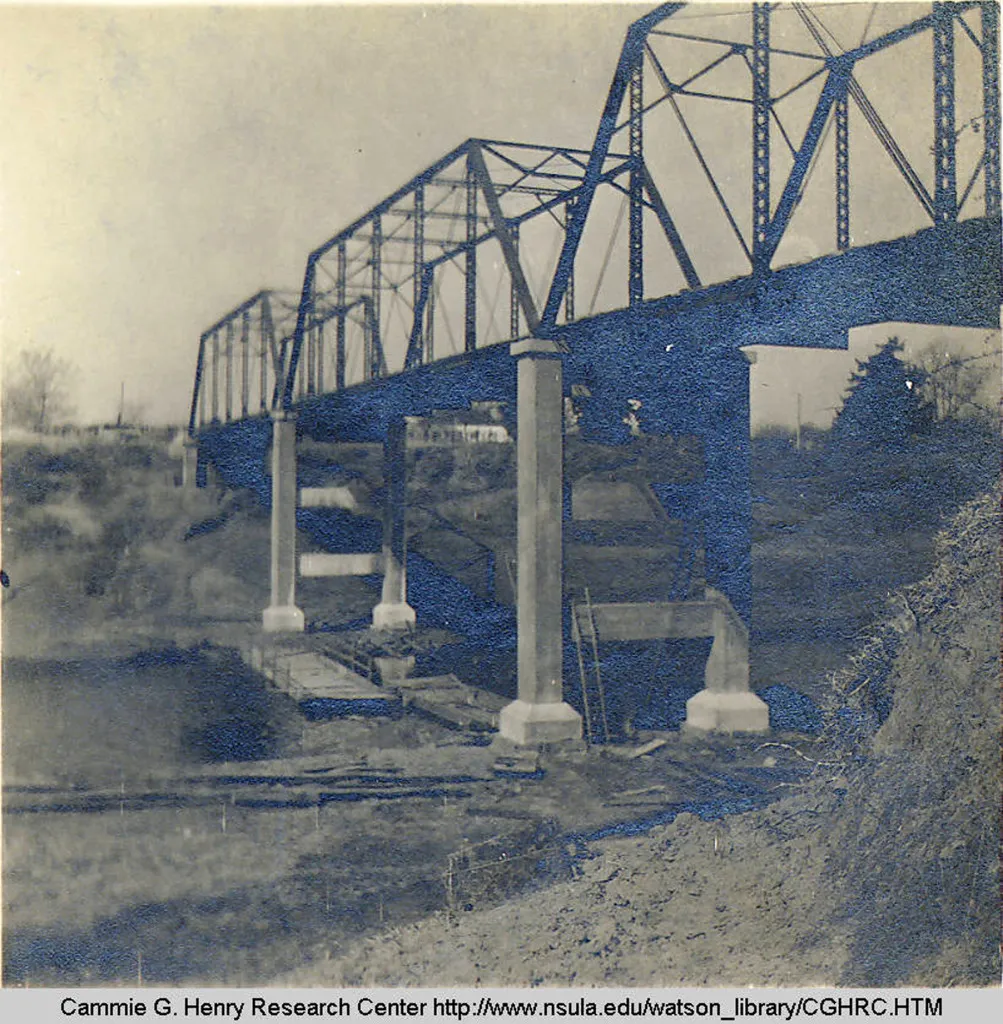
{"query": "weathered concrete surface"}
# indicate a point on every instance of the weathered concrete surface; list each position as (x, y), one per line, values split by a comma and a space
(324, 564)
(329, 497)
(539, 715)
(190, 465)
(282, 615)
(711, 711)
(653, 620)
(528, 723)
(393, 611)
(727, 704)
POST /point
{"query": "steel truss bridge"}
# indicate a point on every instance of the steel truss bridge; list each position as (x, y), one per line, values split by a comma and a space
(762, 179)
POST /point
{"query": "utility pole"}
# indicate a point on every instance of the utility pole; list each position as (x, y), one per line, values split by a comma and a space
(798, 435)
(121, 405)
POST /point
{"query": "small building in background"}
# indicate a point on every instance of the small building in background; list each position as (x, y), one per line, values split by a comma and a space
(482, 423)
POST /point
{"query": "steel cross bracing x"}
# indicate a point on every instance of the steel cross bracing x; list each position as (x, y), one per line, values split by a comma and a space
(439, 254)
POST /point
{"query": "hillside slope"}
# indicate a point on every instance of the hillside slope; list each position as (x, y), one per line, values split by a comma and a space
(882, 870)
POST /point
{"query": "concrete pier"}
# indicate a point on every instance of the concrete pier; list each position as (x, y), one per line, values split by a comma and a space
(190, 465)
(393, 611)
(539, 714)
(727, 704)
(282, 615)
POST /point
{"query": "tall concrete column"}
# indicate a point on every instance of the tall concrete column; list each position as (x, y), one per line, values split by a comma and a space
(190, 465)
(282, 615)
(393, 611)
(539, 714)
(727, 489)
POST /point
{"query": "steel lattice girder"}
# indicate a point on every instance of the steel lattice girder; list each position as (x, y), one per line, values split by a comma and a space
(260, 329)
(521, 181)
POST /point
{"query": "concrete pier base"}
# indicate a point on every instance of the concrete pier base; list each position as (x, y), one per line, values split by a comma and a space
(283, 619)
(727, 704)
(282, 615)
(397, 615)
(529, 724)
(539, 715)
(708, 711)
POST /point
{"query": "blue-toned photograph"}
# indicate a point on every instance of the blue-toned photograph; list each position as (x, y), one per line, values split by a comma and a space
(501, 495)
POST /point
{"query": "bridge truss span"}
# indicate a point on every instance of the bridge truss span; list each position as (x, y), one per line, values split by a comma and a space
(777, 175)
(753, 142)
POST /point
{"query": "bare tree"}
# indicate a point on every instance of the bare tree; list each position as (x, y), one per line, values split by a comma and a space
(36, 390)
(955, 381)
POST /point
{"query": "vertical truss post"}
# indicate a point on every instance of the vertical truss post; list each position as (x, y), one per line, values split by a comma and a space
(945, 199)
(229, 370)
(215, 376)
(991, 105)
(320, 358)
(635, 248)
(245, 362)
(842, 172)
(264, 354)
(513, 292)
(200, 382)
(311, 360)
(569, 293)
(278, 359)
(760, 136)
(339, 339)
(419, 263)
(372, 335)
(430, 321)
(470, 273)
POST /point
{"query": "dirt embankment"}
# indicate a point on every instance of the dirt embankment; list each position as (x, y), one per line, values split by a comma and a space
(883, 869)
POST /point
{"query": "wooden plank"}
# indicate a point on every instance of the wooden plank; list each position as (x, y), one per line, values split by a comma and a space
(306, 676)
(322, 564)
(646, 748)
(449, 699)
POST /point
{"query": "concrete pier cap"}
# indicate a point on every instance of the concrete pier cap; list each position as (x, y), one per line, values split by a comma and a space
(539, 715)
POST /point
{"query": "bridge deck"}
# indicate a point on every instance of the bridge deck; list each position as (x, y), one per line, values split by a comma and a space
(943, 275)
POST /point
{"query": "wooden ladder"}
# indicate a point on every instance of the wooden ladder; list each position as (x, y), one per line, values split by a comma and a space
(596, 670)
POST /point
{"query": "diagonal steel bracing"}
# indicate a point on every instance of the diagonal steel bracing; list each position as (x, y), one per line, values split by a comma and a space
(418, 259)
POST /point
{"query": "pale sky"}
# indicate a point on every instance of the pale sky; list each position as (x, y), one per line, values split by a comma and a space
(162, 164)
